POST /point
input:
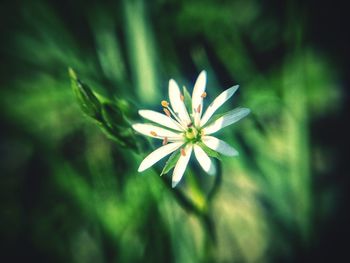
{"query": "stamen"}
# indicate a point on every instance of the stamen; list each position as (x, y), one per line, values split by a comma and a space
(165, 140)
(199, 108)
(189, 125)
(167, 112)
(183, 153)
(175, 115)
(204, 94)
(153, 133)
(165, 104)
(182, 97)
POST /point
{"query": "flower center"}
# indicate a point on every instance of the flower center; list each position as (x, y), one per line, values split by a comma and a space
(192, 134)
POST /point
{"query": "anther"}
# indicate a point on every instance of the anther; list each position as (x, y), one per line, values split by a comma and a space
(165, 140)
(204, 94)
(153, 133)
(182, 97)
(189, 125)
(199, 108)
(183, 153)
(165, 104)
(167, 112)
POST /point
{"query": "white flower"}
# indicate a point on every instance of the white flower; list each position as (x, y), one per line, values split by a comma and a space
(186, 131)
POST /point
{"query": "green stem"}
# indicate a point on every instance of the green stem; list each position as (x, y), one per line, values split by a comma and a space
(217, 183)
(201, 212)
(182, 199)
(203, 215)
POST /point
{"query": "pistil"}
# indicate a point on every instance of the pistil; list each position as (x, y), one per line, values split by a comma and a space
(192, 134)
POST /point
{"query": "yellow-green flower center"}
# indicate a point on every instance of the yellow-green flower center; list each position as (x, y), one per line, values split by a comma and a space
(192, 134)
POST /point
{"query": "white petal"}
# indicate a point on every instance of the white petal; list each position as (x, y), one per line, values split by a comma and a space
(148, 129)
(160, 119)
(181, 165)
(219, 146)
(228, 119)
(204, 160)
(221, 99)
(158, 154)
(177, 104)
(197, 100)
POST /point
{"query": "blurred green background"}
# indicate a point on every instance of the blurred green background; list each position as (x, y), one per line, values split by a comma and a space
(70, 194)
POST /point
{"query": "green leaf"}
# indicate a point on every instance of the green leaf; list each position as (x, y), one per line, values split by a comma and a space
(174, 157)
(87, 100)
(109, 116)
(188, 99)
(113, 116)
(112, 136)
(118, 128)
(209, 151)
(123, 105)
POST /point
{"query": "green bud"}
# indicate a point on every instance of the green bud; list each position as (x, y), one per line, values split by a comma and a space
(112, 116)
(117, 126)
(86, 98)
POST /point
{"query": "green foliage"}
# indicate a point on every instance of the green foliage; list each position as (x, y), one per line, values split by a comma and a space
(171, 162)
(188, 99)
(269, 198)
(209, 151)
(86, 98)
(116, 125)
(109, 117)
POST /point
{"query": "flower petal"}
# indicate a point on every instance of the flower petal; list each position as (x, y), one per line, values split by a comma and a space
(156, 132)
(177, 104)
(158, 154)
(197, 99)
(219, 100)
(204, 160)
(228, 119)
(160, 119)
(181, 165)
(219, 146)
